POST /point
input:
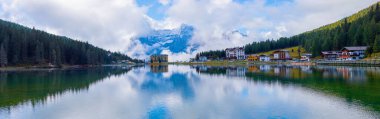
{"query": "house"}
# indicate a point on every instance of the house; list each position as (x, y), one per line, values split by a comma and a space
(252, 57)
(159, 58)
(281, 55)
(353, 53)
(264, 58)
(237, 53)
(202, 59)
(306, 57)
(331, 55)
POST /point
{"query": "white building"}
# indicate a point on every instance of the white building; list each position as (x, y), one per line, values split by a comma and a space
(264, 58)
(306, 57)
(353, 53)
(235, 53)
(281, 55)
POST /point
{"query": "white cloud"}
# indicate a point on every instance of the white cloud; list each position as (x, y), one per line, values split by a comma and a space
(183, 56)
(166, 24)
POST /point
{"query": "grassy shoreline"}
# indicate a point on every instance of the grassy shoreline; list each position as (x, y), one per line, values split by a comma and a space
(228, 63)
(244, 63)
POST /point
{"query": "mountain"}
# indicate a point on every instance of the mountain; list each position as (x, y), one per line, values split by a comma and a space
(21, 46)
(175, 40)
(360, 29)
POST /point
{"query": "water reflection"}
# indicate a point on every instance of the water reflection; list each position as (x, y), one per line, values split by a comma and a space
(159, 68)
(167, 83)
(342, 72)
(354, 84)
(17, 87)
(189, 92)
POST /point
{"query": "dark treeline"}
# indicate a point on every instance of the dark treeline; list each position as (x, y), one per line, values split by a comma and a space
(360, 29)
(20, 45)
(213, 55)
(263, 46)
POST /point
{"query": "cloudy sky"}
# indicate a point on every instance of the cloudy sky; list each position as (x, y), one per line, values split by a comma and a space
(112, 24)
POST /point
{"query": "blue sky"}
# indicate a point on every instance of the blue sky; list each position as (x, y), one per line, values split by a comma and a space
(277, 2)
(156, 10)
(115, 24)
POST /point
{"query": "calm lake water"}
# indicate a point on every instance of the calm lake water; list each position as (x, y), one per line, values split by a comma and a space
(192, 92)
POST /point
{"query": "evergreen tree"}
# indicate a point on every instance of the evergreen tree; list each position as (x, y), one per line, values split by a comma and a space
(376, 45)
(53, 57)
(299, 52)
(39, 53)
(369, 51)
(3, 56)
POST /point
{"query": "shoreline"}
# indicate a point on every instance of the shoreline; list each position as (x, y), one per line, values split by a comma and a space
(63, 67)
(208, 63)
(38, 68)
(359, 63)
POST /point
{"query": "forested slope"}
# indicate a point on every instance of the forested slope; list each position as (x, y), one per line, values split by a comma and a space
(360, 29)
(21, 45)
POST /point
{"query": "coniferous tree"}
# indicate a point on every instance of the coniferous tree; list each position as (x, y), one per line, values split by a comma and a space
(369, 51)
(299, 51)
(53, 57)
(376, 45)
(3, 56)
(39, 53)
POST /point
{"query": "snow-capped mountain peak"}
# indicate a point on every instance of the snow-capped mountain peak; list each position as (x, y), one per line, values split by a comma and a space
(174, 40)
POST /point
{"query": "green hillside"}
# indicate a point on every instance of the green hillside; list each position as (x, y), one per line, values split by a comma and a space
(293, 51)
(350, 19)
(360, 29)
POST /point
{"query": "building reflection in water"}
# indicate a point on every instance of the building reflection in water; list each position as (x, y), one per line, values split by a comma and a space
(212, 70)
(295, 72)
(348, 73)
(159, 68)
(236, 71)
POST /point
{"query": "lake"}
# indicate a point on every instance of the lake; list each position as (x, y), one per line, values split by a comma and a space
(192, 92)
